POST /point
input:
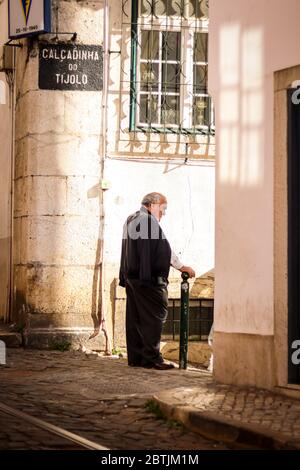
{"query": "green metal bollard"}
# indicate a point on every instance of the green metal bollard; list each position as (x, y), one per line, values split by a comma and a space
(184, 322)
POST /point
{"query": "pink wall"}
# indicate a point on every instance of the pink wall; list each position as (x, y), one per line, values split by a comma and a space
(5, 187)
(249, 40)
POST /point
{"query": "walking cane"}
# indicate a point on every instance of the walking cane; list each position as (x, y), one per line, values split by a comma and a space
(184, 321)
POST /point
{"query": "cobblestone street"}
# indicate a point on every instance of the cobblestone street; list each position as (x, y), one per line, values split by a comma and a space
(99, 398)
(14, 435)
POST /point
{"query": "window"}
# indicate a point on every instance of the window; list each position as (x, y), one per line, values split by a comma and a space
(169, 66)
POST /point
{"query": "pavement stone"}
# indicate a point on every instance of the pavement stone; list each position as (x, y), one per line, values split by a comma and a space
(268, 420)
(104, 400)
(14, 435)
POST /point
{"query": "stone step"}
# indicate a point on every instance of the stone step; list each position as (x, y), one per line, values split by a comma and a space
(199, 352)
(12, 339)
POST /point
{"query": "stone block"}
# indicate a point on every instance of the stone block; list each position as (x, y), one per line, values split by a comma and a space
(20, 240)
(19, 297)
(20, 198)
(44, 320)
(235, 363)
(86, 18)
(39, 112)
(82, 112)
(47, 195)
(198, 352)
(59, 339)
(5, 243)
(70, 293)
(83, 195)
(21, 156)
(57, 195)
(27, 67)
(41, 195)
(63, 240)
(201, 287)
(58, 154)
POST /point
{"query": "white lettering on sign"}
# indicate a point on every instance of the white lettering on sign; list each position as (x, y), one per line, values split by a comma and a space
(71, 79)
(75, 54)
(296, 354)
(70, 67)
(2, 353)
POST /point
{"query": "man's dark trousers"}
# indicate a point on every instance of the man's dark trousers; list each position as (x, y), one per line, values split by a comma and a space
(146, 312)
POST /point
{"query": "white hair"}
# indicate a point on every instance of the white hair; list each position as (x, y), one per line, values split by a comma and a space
(153, 198)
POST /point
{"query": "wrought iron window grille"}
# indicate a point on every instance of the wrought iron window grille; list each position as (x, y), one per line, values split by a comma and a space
(168, 67)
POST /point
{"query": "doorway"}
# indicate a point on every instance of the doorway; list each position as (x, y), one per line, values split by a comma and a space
(293, 235)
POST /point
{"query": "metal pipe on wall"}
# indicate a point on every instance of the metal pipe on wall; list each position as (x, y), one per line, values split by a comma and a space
(101, 299)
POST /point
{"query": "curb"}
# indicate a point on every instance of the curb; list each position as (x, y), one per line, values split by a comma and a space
(215, 426)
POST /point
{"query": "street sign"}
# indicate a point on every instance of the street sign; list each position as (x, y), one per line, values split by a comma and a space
(70, 67)
(28, 17)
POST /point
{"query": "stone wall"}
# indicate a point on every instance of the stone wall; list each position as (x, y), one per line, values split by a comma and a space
(57, 191)
(60, 164)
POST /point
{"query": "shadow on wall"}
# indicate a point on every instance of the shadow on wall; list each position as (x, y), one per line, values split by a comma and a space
(241, 106)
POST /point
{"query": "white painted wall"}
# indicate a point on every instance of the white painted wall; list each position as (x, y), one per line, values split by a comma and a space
(189, 220)
(139, 163)
(5, 165)
(249, 40)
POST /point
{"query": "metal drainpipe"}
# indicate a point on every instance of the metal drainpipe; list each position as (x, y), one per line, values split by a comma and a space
(134, 41)
(103, 325)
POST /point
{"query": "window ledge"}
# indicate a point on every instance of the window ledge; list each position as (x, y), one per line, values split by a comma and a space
(171, 130)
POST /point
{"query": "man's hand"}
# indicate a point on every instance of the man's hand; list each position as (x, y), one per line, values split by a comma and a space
(189, 270)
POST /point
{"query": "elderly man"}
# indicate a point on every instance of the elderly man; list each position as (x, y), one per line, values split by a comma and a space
(145, 263)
